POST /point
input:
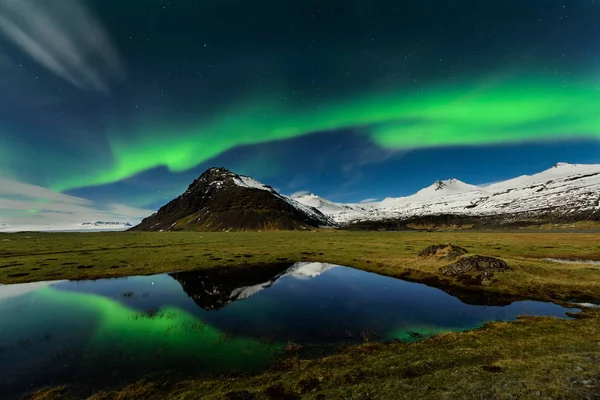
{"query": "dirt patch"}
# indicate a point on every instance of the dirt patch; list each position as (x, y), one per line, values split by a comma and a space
(308, 384)
(11, 265)
(492, 368)
(19, 275)
(85, 266)
(239, 395)
(279, 392)
(445, 251)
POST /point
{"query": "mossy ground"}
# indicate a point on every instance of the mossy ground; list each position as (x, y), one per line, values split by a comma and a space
(27, 257)
(530, 358)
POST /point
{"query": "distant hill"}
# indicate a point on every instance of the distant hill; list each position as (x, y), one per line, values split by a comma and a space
(106, 224)
(222, 200)
(564, 193)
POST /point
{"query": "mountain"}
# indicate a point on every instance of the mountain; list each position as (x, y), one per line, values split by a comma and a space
(563, 193)
(106, 224)
(222, 200)
(213, 289)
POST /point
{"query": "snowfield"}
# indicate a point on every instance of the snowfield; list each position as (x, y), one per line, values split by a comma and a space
(565, 187)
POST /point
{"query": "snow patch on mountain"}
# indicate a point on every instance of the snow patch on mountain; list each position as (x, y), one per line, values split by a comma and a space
(247, 182)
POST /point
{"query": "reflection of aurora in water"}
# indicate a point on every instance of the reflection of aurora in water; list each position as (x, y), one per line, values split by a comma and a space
(215, 321)
(168, 332)
(86, 335)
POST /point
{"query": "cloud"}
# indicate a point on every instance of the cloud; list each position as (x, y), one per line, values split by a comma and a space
(29, 207)
(369, 200)
(299, 193)
(368, 155)
(64, 37)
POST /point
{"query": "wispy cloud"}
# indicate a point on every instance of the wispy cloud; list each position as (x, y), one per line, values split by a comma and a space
(370, 200)
(29, 207)
(353, 169)
(64, 37)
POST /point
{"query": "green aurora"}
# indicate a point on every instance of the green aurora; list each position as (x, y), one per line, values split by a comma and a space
(473, 113)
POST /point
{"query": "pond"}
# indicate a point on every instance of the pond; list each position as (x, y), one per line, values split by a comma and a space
(112, 331)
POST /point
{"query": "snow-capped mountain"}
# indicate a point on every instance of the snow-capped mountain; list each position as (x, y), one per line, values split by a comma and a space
(565, 192)
(220, 200)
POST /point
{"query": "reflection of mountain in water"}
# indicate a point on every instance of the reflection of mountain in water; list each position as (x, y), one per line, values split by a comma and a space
(214, 289)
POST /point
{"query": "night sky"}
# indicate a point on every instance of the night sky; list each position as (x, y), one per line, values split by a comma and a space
(119, 105)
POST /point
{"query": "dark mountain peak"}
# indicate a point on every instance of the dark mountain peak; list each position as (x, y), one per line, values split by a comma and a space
(220, 199)
(216, 173)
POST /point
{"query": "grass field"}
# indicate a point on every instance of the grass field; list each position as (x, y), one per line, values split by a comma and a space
(51, 256)
(530, 358)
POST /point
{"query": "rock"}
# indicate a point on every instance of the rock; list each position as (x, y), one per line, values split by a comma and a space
(443, 251)
(475, 263)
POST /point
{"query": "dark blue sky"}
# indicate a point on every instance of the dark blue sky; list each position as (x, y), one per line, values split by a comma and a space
(128, 102)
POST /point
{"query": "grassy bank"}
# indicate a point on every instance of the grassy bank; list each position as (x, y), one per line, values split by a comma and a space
(53, 256)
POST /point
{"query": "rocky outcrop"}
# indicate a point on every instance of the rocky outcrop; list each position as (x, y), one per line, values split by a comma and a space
(475, 263)
(443, 251)
(475, 270)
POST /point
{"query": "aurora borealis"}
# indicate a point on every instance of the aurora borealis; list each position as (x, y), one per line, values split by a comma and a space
(126, 103)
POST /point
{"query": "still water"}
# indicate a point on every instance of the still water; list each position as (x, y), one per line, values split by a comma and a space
(111, 331)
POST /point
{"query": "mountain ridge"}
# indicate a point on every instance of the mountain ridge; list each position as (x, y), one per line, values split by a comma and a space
(565, 192)
(222, 200)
